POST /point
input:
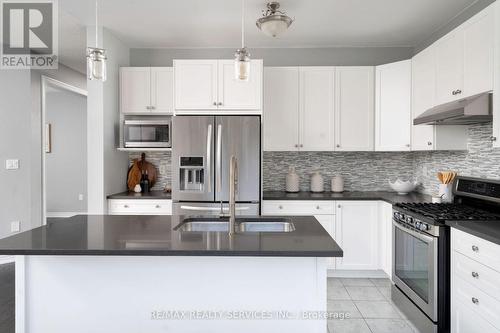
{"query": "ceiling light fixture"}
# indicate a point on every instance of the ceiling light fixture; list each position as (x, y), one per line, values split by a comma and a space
(242, 56)
(96, 57)
(273, 22)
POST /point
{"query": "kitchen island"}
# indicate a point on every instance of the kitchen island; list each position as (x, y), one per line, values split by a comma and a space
(152, 274)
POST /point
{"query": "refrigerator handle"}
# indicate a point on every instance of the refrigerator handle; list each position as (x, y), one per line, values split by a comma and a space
(219, 158)
(209, 158)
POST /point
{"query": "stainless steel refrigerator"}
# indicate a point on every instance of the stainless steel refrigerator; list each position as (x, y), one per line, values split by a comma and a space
(202, 148)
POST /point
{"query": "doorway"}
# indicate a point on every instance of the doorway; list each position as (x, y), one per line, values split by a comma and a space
(64, 151)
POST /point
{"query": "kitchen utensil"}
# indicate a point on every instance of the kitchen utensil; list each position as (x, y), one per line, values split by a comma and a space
(135, 172)
(337, 184)
(317, 182)
(403, 187)
(292, 181)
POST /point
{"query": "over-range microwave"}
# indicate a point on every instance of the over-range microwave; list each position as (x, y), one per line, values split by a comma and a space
(147, 133)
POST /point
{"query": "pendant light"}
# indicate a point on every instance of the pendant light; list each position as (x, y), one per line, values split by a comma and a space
(274, 22)
(242, 57)
(96, 57)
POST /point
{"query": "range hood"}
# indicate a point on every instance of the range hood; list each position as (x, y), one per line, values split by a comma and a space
(470, 110)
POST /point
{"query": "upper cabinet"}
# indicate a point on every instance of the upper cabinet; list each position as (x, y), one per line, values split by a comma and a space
(281, 108)
(209, 85)
(393, 107)
(354, 108)
(146, 90)
(464, 59)
(316, 123)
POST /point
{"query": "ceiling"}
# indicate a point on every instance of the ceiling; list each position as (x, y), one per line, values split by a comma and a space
(319, 23)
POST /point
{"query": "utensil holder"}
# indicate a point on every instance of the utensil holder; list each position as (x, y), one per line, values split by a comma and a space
(445, 192)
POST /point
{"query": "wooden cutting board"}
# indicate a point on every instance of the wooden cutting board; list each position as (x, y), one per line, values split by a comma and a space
(135, 172)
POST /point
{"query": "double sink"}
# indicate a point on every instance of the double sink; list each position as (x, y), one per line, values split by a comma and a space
(243, 225)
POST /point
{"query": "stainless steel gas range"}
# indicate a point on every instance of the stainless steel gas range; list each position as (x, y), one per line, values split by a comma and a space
(421, 249)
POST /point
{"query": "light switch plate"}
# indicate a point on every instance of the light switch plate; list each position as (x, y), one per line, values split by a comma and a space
(80, 197)
(12, 164)
(15, 226)
(163, 169)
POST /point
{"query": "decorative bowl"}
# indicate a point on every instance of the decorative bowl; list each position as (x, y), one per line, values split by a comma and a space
(403, 187)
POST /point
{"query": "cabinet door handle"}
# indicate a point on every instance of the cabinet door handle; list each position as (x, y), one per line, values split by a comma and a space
(220, 103)
(153, 108)
(318, 207)
(148, 107)
(475, 300)
(475, 248)
(475, 275)
(493, 138)
(454, 92)
(339, 206)
(301, 146)
(338, 146)
(280, 207)
(408, 145)
(429, 143)
(215, 103)
(458, 91)
(158, 206)
(296, 146)
(125, 206)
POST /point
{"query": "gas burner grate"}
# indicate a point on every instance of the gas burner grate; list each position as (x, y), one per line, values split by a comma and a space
(449, 212)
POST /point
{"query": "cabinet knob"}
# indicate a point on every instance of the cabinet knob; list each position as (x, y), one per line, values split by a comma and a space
(215, 103)
(475, 275)
(339, 206)
(475, 248)
(153, 108)
(318, 207)
(148, 107)
(301, 145)
(125, 206)
(158, 206)
(280, 207)
(429, 143)
(458, 91)
(220, 103)
(408, 145)
(493, 138)
(338, 146)
(475, 300)
(454, 92)
(297, 146)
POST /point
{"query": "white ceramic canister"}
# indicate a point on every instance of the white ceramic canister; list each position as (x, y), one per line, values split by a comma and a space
(317, 182)
(292, 181)
(337, 184)
(445, 192)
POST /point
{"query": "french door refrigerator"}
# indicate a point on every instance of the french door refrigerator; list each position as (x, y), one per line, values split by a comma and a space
(202, 148)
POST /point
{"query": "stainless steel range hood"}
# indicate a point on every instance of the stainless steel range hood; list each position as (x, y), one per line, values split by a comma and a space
(470, 110)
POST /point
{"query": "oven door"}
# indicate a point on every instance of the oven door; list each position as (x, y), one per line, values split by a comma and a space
(147, 134)
(414, 271)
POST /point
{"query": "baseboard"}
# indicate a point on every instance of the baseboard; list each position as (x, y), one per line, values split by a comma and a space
(63, 214)
(374, 274)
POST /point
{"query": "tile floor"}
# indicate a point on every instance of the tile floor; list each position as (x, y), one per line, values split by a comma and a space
(364, 306)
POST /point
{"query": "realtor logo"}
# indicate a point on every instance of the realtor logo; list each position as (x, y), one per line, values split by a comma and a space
(29, 34)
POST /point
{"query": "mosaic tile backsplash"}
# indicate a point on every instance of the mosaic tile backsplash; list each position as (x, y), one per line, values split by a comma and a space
(162, 161)
(369, 171)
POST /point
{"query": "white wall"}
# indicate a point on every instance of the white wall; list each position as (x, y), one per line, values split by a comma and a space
(107, 167)
(66, 164)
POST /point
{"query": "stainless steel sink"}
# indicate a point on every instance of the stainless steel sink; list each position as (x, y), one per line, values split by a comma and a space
(243, 225)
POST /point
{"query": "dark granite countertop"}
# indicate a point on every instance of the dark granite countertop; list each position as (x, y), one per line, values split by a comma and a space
(148, 195)
(390, 197)
(488, 230)
(156, 236)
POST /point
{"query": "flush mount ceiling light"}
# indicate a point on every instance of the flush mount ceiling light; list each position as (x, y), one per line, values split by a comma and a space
(273, 22)
(96, 57)
(242, 57)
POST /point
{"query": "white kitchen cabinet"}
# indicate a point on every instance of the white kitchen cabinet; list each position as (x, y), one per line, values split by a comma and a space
(393, 107)
(208, 85)
(239, 95)
(431, 137)
(323, 211)
(449, 67)
(146, 90)
(356, 232)
(475, 295)
(162, 89)
(385, 237)
(316, 122)
(139, 207)
(195, 84)
(354, 108)
(281, 108)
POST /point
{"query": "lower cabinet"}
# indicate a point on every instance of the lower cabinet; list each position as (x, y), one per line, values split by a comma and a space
(475, 293)
(356, 231)
(323, 211)
(139, 207)
(385, 237)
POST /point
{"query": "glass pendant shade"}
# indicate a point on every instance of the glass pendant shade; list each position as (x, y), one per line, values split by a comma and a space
(242, 65)
(274, 25)
(96, 64)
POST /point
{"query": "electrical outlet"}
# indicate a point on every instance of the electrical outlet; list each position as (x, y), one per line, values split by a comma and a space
(163, 169)
(15, 226)
(80, 197)
(11, 164)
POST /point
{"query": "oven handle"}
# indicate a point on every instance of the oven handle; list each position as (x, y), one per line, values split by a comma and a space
(422, 237)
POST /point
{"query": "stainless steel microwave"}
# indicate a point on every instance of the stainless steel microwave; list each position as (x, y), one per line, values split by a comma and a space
(147, 133)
